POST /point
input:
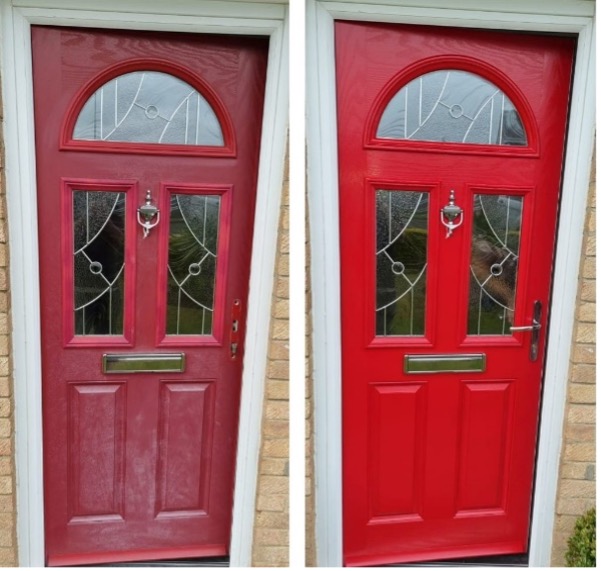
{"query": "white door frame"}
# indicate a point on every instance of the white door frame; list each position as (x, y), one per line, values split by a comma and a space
(566, 16)
(268, 18)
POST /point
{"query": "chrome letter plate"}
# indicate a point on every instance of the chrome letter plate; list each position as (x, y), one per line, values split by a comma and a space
(144, 363)
(451, 363)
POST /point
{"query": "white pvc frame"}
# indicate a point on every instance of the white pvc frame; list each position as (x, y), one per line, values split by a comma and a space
(268, 18)
(559, 16)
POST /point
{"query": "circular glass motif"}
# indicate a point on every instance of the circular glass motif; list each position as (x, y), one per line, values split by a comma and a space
(398, 268)
(496, 269)
(96, 268)
(456, 111)
(194, 269)
(151, 112)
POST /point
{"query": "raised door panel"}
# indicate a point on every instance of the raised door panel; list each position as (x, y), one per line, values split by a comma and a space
(185, 448)
(396, 451)
(96, 452)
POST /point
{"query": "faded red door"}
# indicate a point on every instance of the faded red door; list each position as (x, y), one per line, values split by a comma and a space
(142, 335)
(440, 395)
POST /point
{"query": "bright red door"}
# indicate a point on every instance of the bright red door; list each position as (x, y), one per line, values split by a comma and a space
(440, 395)
(141, 335)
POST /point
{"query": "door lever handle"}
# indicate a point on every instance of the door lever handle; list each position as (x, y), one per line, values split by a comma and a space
(534, 329)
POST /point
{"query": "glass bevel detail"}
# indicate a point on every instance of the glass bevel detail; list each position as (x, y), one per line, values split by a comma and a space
(148, 107)
(452, 106)
(98, 262)
(494, 263)
(401, 261)
(191, 269)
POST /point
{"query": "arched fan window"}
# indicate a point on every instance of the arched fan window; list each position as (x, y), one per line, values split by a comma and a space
(452, 106)
(149, 107)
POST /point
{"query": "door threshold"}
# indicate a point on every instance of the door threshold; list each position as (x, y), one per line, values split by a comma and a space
(201, 562)
(519, 560)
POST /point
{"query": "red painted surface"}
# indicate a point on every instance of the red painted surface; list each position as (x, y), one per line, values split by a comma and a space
(141, 466)
(441, 466)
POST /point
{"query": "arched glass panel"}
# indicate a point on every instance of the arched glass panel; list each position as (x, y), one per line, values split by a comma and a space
(148, 107)
(452, 106)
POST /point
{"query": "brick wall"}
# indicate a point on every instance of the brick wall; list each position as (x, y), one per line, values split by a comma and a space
(310, 552)
(270, 545)
(576, 490)
(8, 550)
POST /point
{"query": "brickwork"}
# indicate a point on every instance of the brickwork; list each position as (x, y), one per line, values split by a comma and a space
(576, 490)
(270, 545)
(8, 545)
(310, 554)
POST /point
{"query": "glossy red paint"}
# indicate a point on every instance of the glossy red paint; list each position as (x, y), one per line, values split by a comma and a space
(441, 465)
(141, 466)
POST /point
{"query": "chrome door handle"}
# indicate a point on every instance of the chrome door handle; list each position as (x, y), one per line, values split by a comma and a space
(534, 328)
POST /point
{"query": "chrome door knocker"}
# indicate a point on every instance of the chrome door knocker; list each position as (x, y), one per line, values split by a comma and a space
(146, 213)
(450, 213)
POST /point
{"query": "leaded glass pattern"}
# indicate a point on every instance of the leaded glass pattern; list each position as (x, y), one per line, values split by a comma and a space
(493, 269)
(148, 107)
(98, 262)
(401, 260)
(452, 106)
(193, 238)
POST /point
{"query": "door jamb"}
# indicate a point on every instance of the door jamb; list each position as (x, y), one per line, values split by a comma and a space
(269, 18)
(559, 16)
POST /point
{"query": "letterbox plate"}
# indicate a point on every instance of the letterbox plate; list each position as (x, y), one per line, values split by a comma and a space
(144, 363)
(449, 363)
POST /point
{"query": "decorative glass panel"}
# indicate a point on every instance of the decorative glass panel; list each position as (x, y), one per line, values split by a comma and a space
(193, 234)
(401, 244)
(452, 106)
(99, 256)
(148, 107)
(494, 264)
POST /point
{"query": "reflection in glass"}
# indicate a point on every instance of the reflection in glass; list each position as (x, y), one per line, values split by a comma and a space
(494, 263)
(193, 233)
(148, 107)
(452, 106)
(98, 276)
(401, 243)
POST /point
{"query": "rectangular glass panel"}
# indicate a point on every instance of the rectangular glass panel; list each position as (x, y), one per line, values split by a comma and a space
(494, 263)
(193, 238)
(401, 246)
(98, 262)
